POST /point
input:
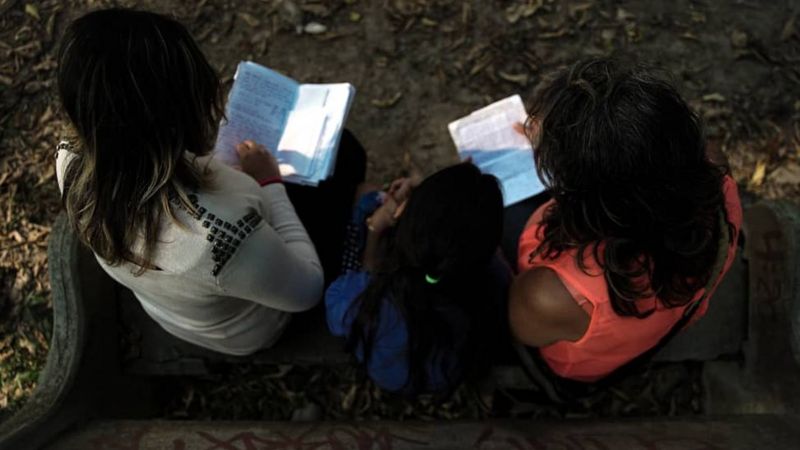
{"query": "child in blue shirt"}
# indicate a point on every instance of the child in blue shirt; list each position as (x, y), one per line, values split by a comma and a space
(419, 300)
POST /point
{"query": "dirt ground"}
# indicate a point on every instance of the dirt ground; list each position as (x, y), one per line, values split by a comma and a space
(416, 65)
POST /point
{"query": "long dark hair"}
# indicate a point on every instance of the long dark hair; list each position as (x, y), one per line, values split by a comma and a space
(449, 230)
(625, 159)
(139, 94)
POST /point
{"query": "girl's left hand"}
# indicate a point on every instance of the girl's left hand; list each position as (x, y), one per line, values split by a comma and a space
(384, 217)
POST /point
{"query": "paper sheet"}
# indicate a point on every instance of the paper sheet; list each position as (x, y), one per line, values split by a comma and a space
(298, 145)
(488, 137)
(300, 124)
(336, 104)
(258, 107)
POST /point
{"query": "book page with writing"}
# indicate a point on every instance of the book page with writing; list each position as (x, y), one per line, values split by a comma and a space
(488, 136)
(258, 107)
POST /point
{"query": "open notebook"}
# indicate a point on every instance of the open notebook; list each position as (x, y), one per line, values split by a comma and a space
(301, 124)
(488, 137)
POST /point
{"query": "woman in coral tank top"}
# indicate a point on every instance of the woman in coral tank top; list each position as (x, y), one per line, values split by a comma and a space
(643, 220)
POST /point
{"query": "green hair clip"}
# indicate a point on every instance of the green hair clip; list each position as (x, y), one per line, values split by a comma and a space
(430, 279)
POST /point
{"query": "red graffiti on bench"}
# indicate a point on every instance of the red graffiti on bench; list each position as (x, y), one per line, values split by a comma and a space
(590, 441)
(365, 437)
(316, 437)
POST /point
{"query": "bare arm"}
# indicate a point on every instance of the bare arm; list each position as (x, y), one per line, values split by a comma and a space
(542, 311)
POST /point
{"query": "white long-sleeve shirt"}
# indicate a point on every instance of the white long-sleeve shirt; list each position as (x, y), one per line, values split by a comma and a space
(234, 299)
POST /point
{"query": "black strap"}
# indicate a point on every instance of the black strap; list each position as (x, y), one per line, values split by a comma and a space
(725, 241)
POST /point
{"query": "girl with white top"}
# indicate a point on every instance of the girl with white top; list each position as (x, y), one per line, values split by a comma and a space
(217, 256)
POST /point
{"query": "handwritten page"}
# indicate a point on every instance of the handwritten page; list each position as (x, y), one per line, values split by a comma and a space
(301, 124)
(258, 108)
(488, 137)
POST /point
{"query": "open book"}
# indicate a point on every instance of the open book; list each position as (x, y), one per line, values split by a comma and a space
(488, 137)
(299, 123)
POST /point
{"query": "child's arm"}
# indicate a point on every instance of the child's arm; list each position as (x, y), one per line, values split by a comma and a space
(383, 218)
(370, 260)
(338, 299)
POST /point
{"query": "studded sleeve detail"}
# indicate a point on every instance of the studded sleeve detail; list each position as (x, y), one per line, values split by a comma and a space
(264, 255)
(226, 237)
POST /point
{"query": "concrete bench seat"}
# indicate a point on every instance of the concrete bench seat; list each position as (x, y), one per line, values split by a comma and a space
(152, 351)
(755, 317)
(743, 432)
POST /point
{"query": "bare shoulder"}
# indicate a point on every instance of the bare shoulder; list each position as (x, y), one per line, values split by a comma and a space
(542, 310)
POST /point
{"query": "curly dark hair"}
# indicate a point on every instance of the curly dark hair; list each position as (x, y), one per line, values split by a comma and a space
(625, 159)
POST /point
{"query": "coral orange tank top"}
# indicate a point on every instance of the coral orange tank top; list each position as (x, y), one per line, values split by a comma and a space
(610, 340)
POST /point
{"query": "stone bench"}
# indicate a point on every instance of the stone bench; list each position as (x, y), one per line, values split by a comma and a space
(153, 351)
(744, 432)
(87, 367)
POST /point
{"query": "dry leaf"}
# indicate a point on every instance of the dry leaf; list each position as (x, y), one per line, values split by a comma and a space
(758, 175)
(574, 10)
(624, 15)
(315, 28)
(789, 28)
(632, 30)
(387, 102)
(16, 236)
(27, 345)
(429, 22)
(714, 97)
(519, 78)
(553, 34)
(786, 174)
(698, 17)
(739, 39)
(347, 401)
(690, 36)
(513, 14)
(316, 9)
(249, 19)
(32, 10)
(481, 64)
(516, 12)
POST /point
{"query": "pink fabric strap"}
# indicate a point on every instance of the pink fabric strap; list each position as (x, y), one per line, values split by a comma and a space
(270, 180)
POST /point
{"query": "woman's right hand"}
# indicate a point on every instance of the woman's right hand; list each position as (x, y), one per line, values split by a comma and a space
(257, 161)
(530, 129)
